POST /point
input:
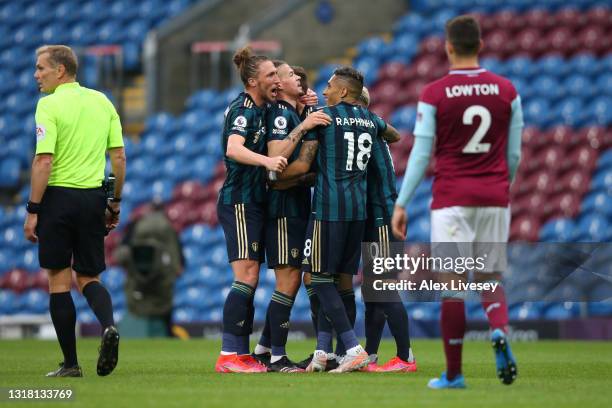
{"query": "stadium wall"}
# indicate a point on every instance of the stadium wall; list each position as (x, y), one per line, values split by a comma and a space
(308, 42)
(168, 66)
(305, 39)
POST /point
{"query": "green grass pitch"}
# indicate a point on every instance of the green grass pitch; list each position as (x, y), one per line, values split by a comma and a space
(174, 373)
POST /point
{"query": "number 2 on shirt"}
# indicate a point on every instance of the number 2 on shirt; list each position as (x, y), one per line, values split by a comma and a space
(474, 145)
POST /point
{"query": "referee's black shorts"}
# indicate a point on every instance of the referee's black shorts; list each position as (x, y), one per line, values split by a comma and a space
(71, 228)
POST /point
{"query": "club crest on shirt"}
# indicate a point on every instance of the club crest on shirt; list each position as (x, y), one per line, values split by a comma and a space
(40, 133)
(255, 246)
(295, 252)
(260, 132)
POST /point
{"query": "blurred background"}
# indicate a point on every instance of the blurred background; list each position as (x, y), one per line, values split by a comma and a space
(166, 65)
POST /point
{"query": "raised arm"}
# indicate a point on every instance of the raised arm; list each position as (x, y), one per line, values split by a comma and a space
(391, 135)
(302, 164)
(305, 180)
(310, 98)
(286, 146)
(238, 152)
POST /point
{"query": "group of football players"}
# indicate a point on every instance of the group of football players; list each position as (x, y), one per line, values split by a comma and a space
(278, 145)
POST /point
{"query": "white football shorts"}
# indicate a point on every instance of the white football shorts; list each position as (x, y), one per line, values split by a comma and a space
(476, 233)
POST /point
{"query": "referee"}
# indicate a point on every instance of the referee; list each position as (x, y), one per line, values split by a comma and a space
(68, 212)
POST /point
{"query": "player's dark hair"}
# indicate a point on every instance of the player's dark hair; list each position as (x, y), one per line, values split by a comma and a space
(61, 55)
(301, 72)
(353, 78)
(463, 32)
(278, 63)
(248, 63)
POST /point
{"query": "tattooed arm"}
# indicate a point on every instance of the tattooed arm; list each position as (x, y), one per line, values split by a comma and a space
(286, 146)
(305, 180)
(391, 135)
(301, 165)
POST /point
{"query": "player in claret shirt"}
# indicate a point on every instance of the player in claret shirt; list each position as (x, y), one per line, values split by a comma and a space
(472, 120)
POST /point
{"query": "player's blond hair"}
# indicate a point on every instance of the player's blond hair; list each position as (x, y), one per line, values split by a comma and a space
(364, 98)
(248, 63)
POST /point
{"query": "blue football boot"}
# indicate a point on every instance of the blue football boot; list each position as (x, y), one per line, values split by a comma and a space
(443, 382)
(504, 360)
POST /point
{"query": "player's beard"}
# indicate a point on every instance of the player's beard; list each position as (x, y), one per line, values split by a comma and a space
(270, 93)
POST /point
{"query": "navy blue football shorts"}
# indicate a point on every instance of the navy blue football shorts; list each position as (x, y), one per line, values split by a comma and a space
(243, 225)
(332, 247)
(381, 243)
(285, 241)
(379, 231)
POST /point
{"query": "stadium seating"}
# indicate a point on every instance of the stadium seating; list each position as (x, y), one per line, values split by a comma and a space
(24, 26)
(558, 73)
(556, 53)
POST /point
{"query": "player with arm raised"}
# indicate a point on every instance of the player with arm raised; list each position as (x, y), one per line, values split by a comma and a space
(287, 217)
(472, 119)
(304, 109)
(307, 102)
(337, 86)
(240, 208)
(336, 226)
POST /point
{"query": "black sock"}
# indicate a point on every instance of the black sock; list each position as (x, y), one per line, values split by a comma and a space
(63, 315)
(397, 319)
(374, 325)
(324, 332)
(265, 338)
(314, 306)
(246, 349)
(251, 315)
(244, 346)
(333, 307)
(237, 315)
(100, 302)
(280, 312)
(348, 298)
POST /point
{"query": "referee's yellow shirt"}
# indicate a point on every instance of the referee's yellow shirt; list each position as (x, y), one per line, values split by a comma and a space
(77, 125)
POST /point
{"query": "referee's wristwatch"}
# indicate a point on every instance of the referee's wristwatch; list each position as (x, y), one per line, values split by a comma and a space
(111, 209)
(33, 208)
